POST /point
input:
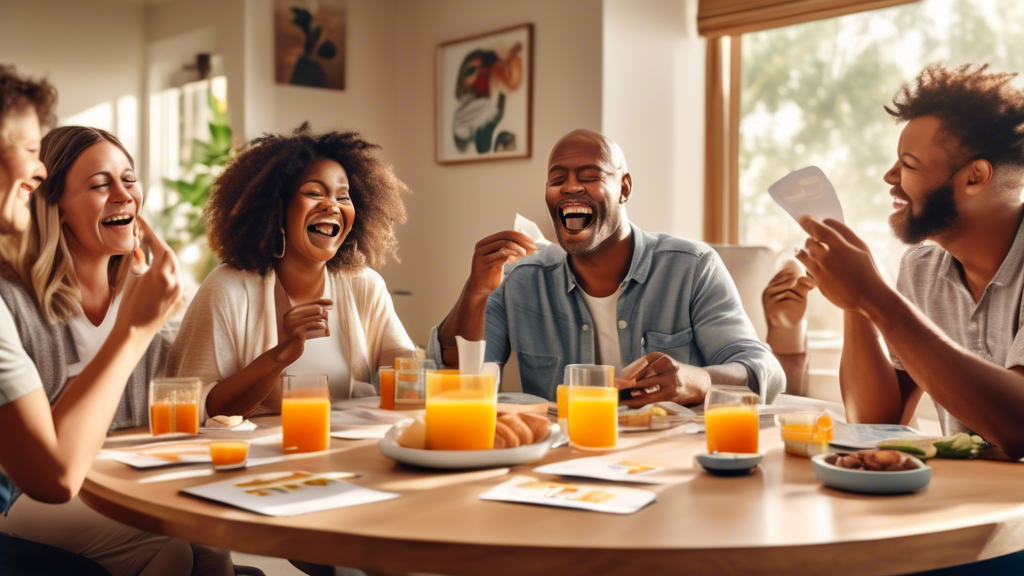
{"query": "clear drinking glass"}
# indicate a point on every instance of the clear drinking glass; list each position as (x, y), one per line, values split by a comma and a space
(461, 411)
(229, 455)
(386, 382)
(593, 406)
(410, 383)
(305, 413)
(174, 405)
(731, 419)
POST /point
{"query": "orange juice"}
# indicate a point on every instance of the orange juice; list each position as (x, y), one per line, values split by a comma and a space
(461, 420)
(160, 418)
(306, 423)
(186, 418)
(229, 454)
(562, 395)
(593, 416)
(805, 434)
(387, 389)
(732, 429)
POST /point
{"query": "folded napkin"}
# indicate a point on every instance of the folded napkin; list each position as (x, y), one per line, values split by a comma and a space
(528, 227)
(471, 359)
(236, 423)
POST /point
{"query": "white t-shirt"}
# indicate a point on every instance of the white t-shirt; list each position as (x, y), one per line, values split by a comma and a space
(88, 338)
(324, 355)
(604, 313)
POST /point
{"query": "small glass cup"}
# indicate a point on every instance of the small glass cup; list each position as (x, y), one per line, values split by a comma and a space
(462, 411)
(174, 405)
(562, 399)
(731, 419)
(805, 433)
(386, 381)
(229, 455)
(305, 413)
(410, 384)
(593, 406)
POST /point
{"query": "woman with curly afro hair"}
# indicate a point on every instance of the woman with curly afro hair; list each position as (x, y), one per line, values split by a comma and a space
(300, 222)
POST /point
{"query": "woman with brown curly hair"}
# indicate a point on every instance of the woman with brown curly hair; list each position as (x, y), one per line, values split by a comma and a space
(300, 222)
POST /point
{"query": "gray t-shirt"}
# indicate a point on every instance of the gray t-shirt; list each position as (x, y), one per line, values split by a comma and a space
(18, 376)
(932, 279)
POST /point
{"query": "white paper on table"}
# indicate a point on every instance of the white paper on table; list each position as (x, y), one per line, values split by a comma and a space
(530, 228)
(865, 436)
(807, 191)
(597, 498)
(362, 432)
(611, 468)
(365, 417)
(264, 450)
(289, 493)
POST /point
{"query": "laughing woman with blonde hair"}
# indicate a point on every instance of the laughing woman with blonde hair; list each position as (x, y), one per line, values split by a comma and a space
(90, 329)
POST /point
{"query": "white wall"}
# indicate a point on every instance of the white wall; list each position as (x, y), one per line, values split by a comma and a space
(454, 206)
(93, 52)
(653, 107)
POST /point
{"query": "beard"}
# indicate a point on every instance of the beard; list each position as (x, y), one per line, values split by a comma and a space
(938, 214)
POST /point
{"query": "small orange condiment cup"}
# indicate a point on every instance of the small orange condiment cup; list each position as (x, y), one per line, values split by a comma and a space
(229, 455)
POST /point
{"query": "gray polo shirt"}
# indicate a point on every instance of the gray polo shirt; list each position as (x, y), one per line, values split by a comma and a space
(932, 279)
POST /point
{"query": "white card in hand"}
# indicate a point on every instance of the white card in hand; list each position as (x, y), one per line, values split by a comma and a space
(807, 191)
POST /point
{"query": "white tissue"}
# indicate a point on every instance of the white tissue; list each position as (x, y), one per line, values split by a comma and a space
(528, 227)
(471, 359)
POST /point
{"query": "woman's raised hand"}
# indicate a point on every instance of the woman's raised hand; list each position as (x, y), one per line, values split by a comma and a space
(152, 297)
(301, 323)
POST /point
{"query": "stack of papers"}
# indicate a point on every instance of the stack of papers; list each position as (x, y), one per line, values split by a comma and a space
(597, 498)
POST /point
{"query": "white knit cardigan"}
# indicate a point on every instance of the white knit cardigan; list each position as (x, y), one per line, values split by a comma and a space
(233, 320)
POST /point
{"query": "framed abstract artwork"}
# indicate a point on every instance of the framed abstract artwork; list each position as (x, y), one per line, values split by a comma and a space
(485, 96)
(309, 43)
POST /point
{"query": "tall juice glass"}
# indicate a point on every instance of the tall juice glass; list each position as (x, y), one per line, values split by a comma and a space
(462, 411)
(562, 396)
(387, 388)
(593, 406)
(305, 413)
(174, 405)
(731, 420)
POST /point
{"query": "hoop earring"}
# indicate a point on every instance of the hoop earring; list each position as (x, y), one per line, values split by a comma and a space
(280, 254)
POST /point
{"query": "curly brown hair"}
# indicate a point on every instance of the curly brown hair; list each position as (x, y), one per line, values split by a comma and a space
(17, 91)
(981, 110)
(246, 209)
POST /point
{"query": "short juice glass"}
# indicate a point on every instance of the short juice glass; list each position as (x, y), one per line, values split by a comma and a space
(229, 455)
(462, 411)
(305, 413)
(593, 406)
(805, 433)
(386, 380)
(174, 405)
(731, 419)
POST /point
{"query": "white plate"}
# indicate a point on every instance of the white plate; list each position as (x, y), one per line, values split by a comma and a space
(462, 459)
(870, 482)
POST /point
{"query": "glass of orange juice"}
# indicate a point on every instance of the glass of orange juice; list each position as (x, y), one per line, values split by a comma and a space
(593, 406)
(562, 397)
(731, 419)
(386, 380)
(174, 405)
(305, 413)
(229, 455)
(462, 411)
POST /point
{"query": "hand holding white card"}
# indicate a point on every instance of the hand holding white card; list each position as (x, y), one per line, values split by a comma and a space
(807, 191)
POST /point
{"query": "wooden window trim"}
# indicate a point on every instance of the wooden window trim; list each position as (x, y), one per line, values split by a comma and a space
(724, 22)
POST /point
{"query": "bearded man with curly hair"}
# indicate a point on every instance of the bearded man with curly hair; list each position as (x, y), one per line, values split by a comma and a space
(953, 322)
(300, 222)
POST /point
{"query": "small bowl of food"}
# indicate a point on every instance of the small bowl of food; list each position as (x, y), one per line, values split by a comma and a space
(872, 472)
(728, 463)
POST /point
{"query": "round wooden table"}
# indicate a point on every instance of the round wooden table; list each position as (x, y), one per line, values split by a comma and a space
(778, 519)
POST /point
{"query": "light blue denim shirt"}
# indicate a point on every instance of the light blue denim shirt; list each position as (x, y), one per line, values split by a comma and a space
(677, 298)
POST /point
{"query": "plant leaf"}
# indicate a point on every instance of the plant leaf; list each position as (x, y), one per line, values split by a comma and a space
(327, 50)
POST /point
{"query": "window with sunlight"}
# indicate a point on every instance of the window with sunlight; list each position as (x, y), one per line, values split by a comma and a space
(813, 95)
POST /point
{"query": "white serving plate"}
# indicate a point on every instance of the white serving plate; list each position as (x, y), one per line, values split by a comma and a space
(869, 482)
(463, 459)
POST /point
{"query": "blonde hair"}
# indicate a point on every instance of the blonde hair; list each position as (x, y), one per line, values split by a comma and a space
(42, 258)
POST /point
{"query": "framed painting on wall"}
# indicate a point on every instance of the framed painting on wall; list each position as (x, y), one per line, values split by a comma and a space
(309, 43)
(485, 96)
